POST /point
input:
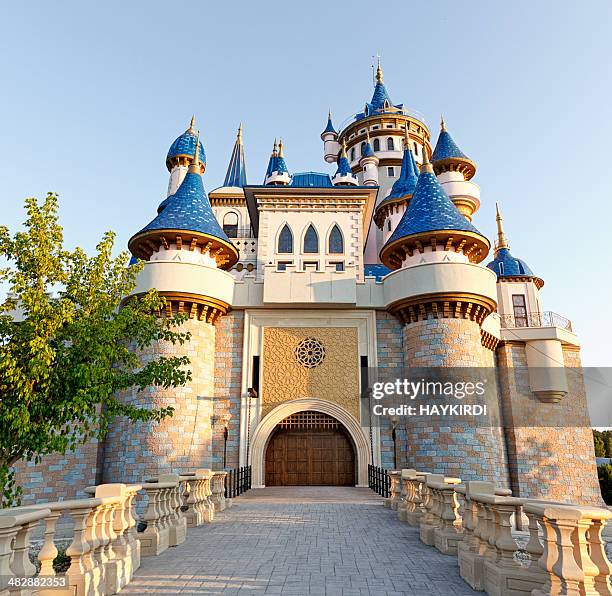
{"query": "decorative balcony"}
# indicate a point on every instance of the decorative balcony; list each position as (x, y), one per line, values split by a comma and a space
(535, 319)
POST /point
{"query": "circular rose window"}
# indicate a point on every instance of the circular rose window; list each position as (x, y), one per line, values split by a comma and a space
(310, 352)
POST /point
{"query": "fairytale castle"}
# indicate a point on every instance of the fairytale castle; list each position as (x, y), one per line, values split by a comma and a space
(296, 287)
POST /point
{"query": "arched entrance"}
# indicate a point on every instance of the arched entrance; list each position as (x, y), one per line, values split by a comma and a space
(310, 448)
(267, 426)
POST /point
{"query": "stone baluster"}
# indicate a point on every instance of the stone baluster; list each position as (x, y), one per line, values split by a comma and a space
(573, 557)
(189, 501)
(218, 490)
(392, 501)
(132, 537)
(208, 507)
(427, 522)
(414, 509)
(49, 551)
(15, 528)
(448, 531)
(402, 507)
(177, 522)
(155, 539)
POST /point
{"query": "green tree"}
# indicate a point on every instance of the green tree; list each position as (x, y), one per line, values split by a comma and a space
(600, 447)
(605, 482)
(68, 344)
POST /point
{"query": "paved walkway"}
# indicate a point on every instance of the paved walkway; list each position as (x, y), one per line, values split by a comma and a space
(302, 540)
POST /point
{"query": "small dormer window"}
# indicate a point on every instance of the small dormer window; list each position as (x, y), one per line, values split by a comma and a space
(366, 111)
(501, 268)
(386, 104)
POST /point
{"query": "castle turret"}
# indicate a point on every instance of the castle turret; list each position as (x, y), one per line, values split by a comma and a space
(180, 155)
(344, 176)
(390, 211)
(186, 252)
(369, 164)
(442, 295)
(330, 141)
(277, 172)
(455, 170)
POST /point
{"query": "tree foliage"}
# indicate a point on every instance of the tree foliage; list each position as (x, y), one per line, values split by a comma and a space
(67, 343)
(605, 482)
(602, 440)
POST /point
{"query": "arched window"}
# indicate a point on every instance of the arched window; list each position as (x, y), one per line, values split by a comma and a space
(390, 144)
(353, 154)
(285, 240)
(335, 243)
(376, 145)
(230, 224)
(362, 147)
(311, 240)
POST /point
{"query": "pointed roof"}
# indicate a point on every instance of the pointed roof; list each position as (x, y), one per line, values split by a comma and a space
(381, 100)
(504, 264)
(367, 150)
(186, 212)
(344, 167)
(277, 161)
(236, 170)
(448, 156)
(330, 126)
(432, 215)
(406, 183)
(184, 146)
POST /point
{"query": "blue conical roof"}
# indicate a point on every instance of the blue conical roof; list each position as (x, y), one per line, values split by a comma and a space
(429, 210)
(379, 97)
(184, 145)
(447, 148)
(406, 183)
(367, 150)
(505, 265)
(188, 209)
(236, 170)
(344, 167)
(330, 126)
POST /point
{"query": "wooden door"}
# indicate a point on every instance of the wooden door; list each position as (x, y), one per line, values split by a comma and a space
(312, 451)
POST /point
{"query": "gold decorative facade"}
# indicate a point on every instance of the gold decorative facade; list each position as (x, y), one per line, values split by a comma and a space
(335, 377)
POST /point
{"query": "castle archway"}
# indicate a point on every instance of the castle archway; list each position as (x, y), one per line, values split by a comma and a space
(348, 427)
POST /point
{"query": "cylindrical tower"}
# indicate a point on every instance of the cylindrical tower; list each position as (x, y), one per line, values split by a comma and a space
(180, 156)
(329, 136)
(186, 253)
(442, 294)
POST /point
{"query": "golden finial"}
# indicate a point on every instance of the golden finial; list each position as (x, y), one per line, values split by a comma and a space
(239, 136)
(280, 148)
(501, 236)
(406, 136)
(194, 167)
(329, 114)
(442, 124)
(274, 150)
(379, 72)
(368, 136)
(192, 123)
(343, 154)
(426, 165)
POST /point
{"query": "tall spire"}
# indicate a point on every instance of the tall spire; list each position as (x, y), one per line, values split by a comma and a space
(236, 170)
(194, 167)
(442, 124)
(280, 148)
(192, 124)
(426, 165)
(501, 236)
(379, 72)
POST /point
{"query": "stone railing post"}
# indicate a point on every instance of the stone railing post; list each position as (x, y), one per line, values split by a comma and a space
(573, 560)
(16, 526)
(133, 544)
(449, 531)
(199, 507)
(402, 507)
(218, 490)
(428, 520)
(392, 501)
(177, 521)
(414, 499)
(156, 537)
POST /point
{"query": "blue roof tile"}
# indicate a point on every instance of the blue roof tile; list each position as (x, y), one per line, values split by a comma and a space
(344, 167)
(446, 148)
(430, 209)
(188, 209)
(185, 145)
(311, 179)
(236, 170)
(505, 265)
(330, 126)
(377, 270)
(406, 183)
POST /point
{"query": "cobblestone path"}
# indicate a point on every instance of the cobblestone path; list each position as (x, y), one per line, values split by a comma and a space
(302, 540)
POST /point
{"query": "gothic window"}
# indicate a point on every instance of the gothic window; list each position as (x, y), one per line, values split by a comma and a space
(362, 147)
(353, 154)
(376, 145)
(335, 243)
(311, 240)
(230, 224)
(390, 144)
(285, 240)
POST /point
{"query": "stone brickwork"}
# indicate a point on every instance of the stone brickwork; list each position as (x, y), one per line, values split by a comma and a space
(464, 450)
(390, 354)
(59, 477)
(228, 380)
(180, 443)
(548, 458)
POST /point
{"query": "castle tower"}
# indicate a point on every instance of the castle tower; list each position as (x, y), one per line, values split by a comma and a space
(344, 176)
(330, 141)
(442, 295)
(455, 170)
(389, 213)
(186, 254)
(180, 155)
(277, 173)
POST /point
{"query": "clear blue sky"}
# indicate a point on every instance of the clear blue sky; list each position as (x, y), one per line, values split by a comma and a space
(94, 93)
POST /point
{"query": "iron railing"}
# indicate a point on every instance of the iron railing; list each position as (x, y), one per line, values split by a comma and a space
(237, 481)
(536, 319)
(236, 232)
(379, 480)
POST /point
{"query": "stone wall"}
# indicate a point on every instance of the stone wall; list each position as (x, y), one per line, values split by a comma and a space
(228, 381)
(550, 446)
(463, 449)
(180, 443)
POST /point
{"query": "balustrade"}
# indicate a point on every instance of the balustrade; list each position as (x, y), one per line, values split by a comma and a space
(198, 503)
(393, 501)
(218, 490)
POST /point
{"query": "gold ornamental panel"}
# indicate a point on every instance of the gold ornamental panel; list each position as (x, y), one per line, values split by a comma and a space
(318, 362)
